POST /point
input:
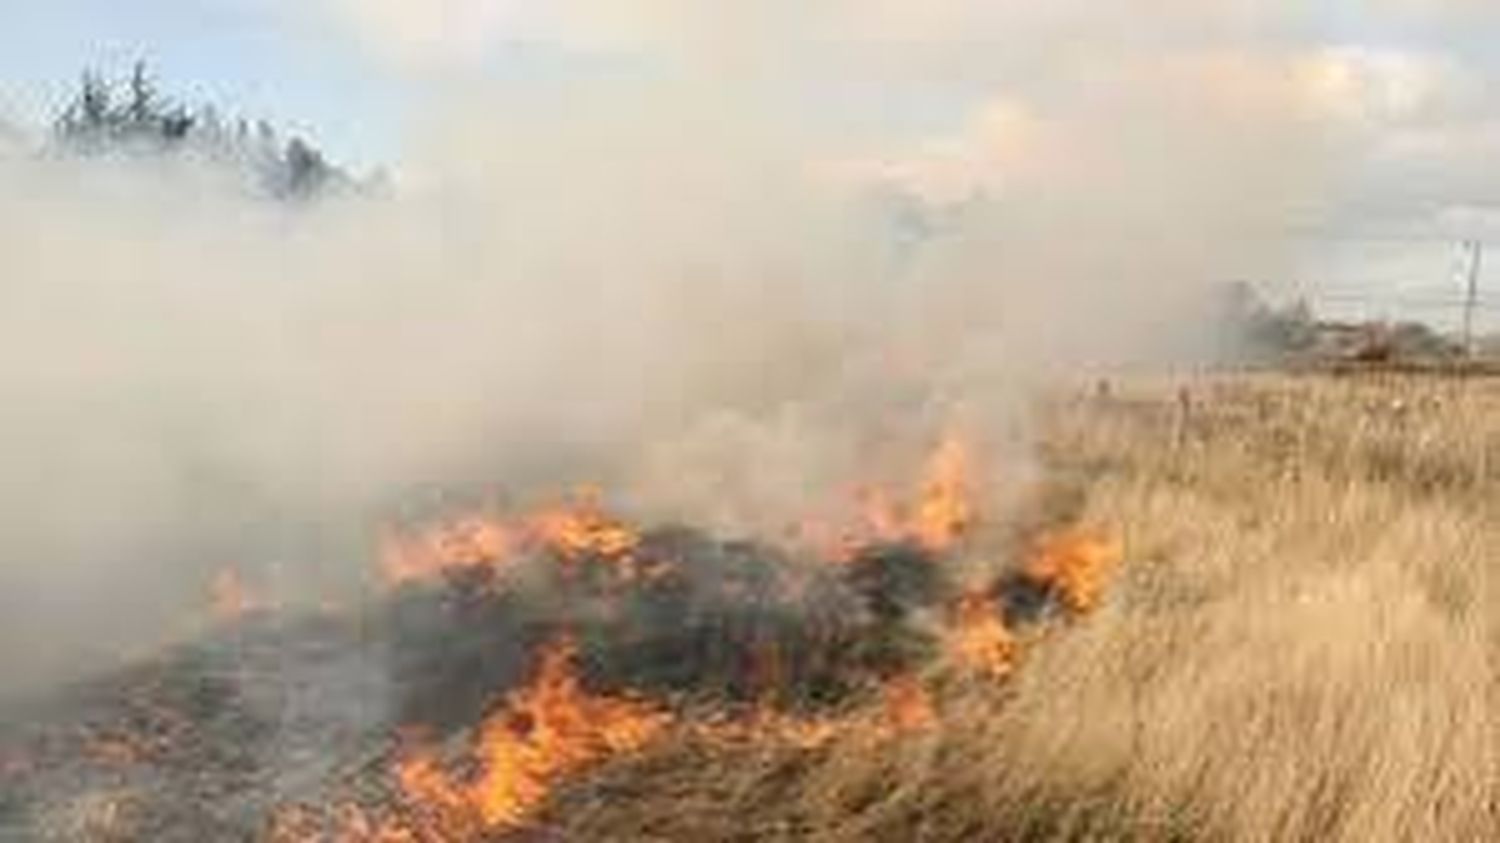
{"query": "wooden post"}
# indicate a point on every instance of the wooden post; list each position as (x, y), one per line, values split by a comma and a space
(1182, 417)
(1471, 299)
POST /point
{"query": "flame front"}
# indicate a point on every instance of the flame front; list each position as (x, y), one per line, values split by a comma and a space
(582, 529)
(553, 729)
(978, 638)
(549, 730)
(1076, 563)
(575, 530)
(545, 732)
(939, 513)
(474, 542)
(945, 510)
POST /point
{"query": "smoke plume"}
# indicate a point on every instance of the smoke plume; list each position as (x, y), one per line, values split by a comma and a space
(717, 277)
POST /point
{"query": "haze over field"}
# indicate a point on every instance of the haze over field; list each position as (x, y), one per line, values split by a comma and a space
(692, 250)
(753, 273)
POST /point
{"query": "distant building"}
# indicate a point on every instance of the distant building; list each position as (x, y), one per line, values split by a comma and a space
(1294, 335)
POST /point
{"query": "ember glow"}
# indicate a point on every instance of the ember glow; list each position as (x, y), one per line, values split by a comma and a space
(766, 726)
(903, 706)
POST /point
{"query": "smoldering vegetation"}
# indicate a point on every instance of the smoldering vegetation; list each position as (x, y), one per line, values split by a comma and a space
(671, 286)
(1299, 647)
(276, 713)
(1296, 646)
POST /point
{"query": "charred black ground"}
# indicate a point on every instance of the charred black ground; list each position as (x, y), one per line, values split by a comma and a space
(210, 739)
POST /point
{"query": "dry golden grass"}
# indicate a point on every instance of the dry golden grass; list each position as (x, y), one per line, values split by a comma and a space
(1298, 648)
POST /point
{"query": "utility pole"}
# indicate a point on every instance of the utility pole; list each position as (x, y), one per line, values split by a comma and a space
(1475, 251)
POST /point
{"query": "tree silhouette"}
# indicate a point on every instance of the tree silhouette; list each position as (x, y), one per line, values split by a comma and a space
(103, 120)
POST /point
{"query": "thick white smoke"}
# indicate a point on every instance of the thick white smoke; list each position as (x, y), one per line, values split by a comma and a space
(684, 279)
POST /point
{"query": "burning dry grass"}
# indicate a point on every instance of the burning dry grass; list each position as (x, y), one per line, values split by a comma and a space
(546, 731)
(1297, 649)
(1284, 635)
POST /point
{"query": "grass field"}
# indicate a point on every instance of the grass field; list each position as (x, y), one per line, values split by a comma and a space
(1298, 646)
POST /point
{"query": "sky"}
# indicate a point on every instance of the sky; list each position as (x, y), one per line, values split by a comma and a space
(241, 55)
(936, 93)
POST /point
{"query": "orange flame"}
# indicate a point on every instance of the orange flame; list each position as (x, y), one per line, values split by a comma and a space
(575, 530)
(938, 517)
(582, 528)
(1077, 563)
(944, 510)
(546, 732)
(472, 542)
(979, 640)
